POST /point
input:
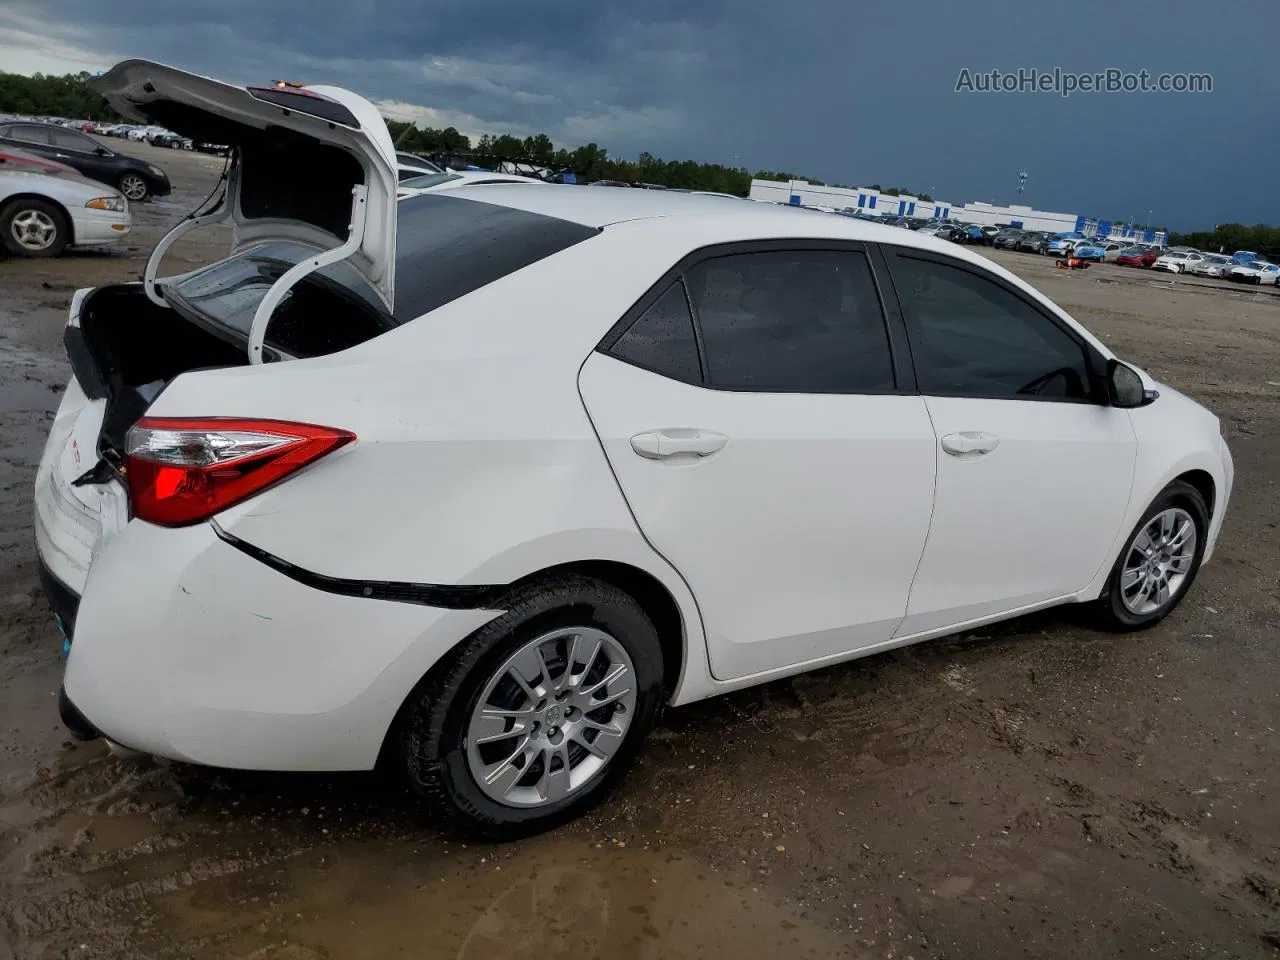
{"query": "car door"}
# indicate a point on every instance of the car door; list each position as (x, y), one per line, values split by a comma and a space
(77, 150)
(1035, 469)
(33, 138)
(771, 449)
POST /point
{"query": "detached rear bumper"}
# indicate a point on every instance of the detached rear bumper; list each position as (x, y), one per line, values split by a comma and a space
(65, 604)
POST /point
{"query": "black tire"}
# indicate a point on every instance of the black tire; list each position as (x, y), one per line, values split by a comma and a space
(429, 738)
(22, 207)
(128, 186)
(1109, 610)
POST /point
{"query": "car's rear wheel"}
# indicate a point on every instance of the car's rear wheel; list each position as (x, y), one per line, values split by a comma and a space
(134, 186)
(538, 714)
(31, 227)
(1159, 561)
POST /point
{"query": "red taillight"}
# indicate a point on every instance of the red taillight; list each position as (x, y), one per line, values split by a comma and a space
(182, 471)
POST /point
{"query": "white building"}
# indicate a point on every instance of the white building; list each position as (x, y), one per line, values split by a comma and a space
(877, 203)
(802, 193)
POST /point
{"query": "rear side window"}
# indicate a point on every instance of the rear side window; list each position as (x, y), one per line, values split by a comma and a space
(662, 339)
(30, 132)
(793, 321)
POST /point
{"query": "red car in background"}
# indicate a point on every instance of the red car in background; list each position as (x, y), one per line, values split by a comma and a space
(1137, 257)
(11, 159)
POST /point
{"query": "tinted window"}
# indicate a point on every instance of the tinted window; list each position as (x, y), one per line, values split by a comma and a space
(662, 340)
(972, 337)
(72, 141)
(421, 181)
(30, 132)
(805, 321)
(447, 247)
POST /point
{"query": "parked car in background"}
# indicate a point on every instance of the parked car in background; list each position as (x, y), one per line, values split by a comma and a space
(1259, 272)
(136, 179)
(21, 161)
(989, 232)
(1062, 243)
(43, 212)
(1111, 249)
(1007, 238)
(1212, 265)
(458, 178)
(1174, 261)
(410, 165)
(1137, 256)
(1036, 241)
(1086, 250)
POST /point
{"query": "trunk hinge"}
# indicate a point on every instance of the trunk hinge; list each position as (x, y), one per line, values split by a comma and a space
(268, 304)
(216, 215)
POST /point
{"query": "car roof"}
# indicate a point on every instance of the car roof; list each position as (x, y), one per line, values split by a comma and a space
(599, 207)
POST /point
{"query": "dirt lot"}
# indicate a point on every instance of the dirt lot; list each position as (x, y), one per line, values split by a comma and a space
(1035, 790)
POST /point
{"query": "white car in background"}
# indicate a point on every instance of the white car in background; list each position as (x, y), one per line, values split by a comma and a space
(453, 179)
(1177, 261)
(1212, 265)
(43, 213)
(465, 488)
(1259, 272)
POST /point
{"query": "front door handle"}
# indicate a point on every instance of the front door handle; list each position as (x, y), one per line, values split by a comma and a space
(667, 444)
(969, 444)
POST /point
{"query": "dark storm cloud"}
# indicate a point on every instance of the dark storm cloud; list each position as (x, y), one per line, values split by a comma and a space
(852, 92)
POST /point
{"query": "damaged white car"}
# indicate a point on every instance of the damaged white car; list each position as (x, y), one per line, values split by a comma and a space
(476, 482)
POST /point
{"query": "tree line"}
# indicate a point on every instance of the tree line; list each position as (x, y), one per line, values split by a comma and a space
(71, 97)
(1230, 237)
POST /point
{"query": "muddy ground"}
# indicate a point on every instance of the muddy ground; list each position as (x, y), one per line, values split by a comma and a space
(1033, 790)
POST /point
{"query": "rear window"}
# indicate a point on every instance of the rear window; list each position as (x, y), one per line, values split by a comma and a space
(425, 180)
(446, 248)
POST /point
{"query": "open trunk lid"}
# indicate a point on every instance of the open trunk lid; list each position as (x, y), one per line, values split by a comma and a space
(310, 164)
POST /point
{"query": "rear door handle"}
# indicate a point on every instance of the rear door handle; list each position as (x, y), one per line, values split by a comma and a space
(667, 444)
(969, 444)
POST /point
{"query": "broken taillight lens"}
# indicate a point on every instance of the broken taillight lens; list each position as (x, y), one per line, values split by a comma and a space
(182, 471)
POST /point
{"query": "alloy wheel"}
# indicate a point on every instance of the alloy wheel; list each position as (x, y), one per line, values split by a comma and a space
(34, 230)
(1158, 562)
(551, 717)
(133, 186)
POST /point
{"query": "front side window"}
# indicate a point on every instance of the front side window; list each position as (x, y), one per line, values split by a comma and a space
(973, 337)
(797, 321)
(66, 140)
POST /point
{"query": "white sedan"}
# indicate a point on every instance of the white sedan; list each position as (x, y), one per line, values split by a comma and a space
(1259, 272)
(46, 207)
(453, 179)
(1179, 261)
(504, 474)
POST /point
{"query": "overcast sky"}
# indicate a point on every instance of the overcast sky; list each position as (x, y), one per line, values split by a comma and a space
(855, 92)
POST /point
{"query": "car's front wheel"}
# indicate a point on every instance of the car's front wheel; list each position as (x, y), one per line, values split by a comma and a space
(1159, 561)
(539, 713)
(31, 227)
(134, 186)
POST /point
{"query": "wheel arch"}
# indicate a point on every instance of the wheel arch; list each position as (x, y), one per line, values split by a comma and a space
(1203, 483)
(28, 195)
(675, 634)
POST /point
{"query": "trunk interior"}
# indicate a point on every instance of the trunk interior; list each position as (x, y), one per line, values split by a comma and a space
(127, 349)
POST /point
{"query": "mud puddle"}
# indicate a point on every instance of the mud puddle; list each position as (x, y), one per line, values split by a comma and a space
(161, 862)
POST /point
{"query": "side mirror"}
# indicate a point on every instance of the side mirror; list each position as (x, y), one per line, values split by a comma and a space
(1125, 388)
